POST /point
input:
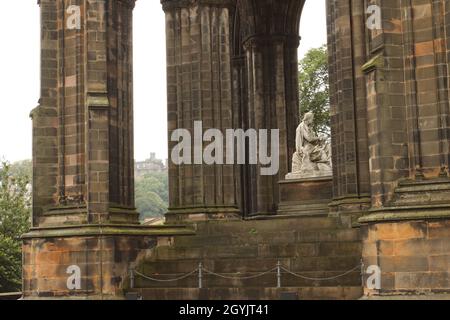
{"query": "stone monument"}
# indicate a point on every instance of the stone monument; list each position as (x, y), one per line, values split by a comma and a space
(307, 190)
(312, 158)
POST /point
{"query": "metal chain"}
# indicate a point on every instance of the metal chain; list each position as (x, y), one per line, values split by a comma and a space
(321, 279)
(248, 277)
(239, 278)
(166, 280)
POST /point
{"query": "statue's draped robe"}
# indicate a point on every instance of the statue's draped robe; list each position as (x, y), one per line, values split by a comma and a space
(311, 156)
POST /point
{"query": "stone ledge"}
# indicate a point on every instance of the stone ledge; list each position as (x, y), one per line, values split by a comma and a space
(203, 209)
(407, 213)
(252, 293)
(192, 214)
(408, 297)
(107, 230)
(10, 296)
(307, 179)
(373, 64)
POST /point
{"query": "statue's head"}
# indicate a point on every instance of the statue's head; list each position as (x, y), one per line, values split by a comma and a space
(308, 118)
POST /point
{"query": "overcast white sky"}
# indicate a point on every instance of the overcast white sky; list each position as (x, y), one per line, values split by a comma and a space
(19, 73)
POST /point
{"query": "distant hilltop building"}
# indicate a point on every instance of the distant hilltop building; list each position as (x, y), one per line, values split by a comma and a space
(150, 165)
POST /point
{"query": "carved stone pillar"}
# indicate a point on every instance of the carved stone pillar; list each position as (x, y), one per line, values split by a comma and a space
(266, 34)
(348, 106)
(272, 82)
(408, 108)
(83, 128)
(200, 89)
(85, 234)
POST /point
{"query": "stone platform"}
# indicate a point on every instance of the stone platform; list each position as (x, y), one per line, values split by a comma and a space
(410, 241)
(316, 247)
(305, 197)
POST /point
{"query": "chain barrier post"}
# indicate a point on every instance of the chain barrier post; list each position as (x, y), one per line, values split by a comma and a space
(363, 271)
(278, 274)
(200, 275)
(131, 278)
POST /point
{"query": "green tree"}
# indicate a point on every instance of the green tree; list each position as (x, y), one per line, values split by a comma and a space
(15, 212)
(152, 196)
(22, 168)
(314, 88)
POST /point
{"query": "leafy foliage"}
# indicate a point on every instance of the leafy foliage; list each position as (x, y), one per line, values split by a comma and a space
(21, 169)
(15, 212)
(152, 194)
(314, 88)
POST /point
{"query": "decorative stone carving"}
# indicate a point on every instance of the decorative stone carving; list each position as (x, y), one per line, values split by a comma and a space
(313, 156)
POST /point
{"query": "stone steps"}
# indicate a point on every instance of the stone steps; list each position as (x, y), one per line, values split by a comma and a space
(269, 225)
(412, 193)
(251, 293)
(251, 237)
(291, 250)
(315, 247)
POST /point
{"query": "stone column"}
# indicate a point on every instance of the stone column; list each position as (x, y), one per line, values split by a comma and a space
(85, 234)
(200, 89)
(347, 54)
(83, 129)
(45, 118)
(407, 100)
(272, 82)
(406, 231)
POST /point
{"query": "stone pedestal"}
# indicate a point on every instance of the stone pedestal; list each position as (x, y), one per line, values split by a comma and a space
(409, 240)
(305, 197)
(86, 262)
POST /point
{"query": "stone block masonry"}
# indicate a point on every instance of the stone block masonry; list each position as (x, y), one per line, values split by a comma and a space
(84, 217)
(232, 64)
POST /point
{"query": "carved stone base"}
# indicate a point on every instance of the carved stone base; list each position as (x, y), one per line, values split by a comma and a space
(305, 197)
(78, 215)
(409, 240)
(413, 257)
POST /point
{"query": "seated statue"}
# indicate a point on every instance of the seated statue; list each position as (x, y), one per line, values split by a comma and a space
(313, 153)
